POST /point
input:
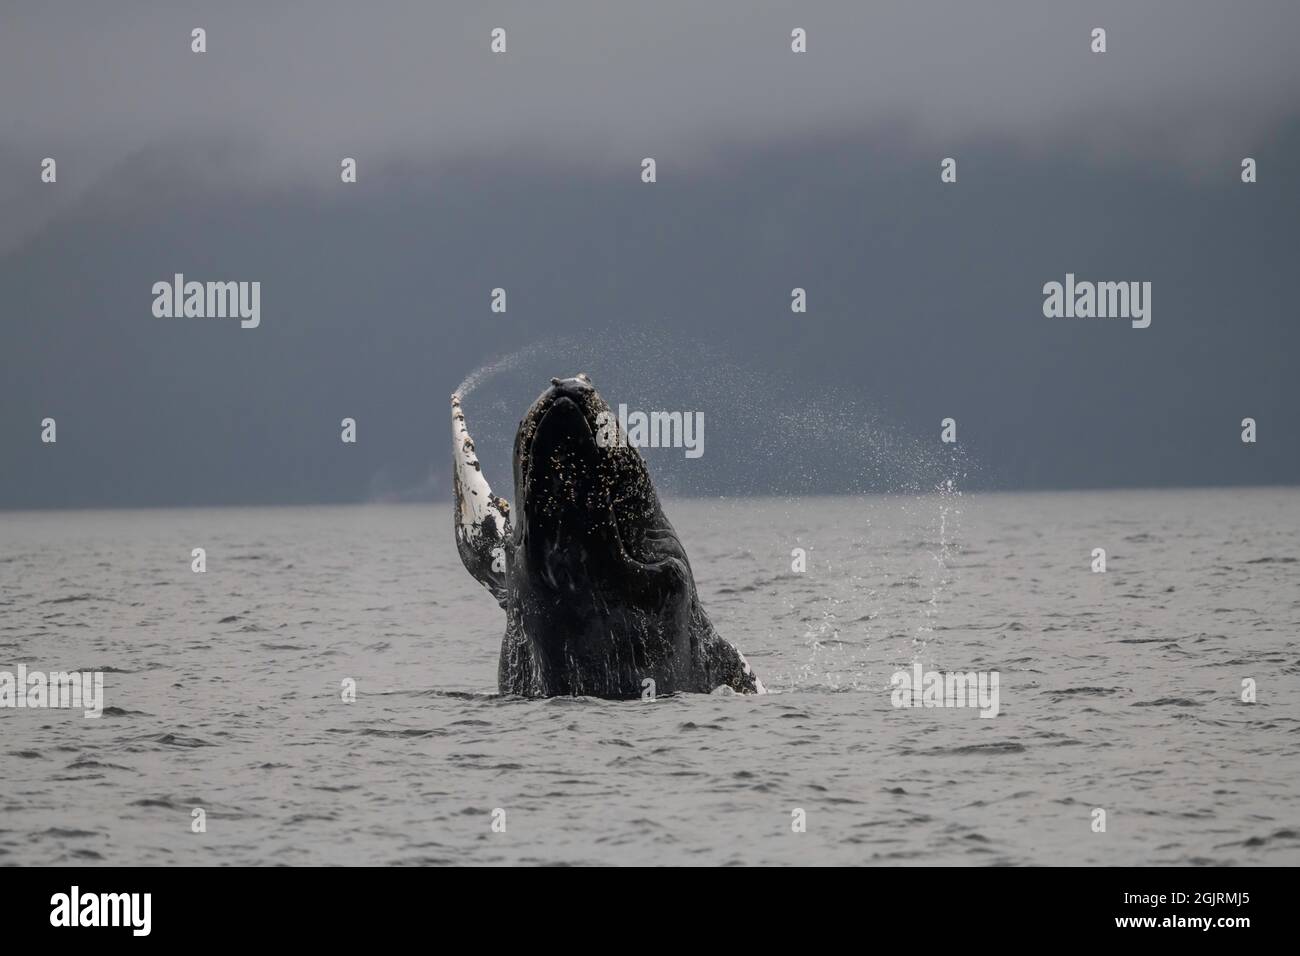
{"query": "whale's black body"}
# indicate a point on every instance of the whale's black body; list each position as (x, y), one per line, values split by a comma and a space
(598, 593)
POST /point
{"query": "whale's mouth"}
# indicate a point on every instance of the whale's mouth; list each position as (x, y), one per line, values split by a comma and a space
(583, 497)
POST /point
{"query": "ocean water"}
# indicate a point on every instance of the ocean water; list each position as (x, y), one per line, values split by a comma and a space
(1118, 691)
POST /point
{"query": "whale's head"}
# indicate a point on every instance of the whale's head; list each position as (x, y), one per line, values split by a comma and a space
(588, 523)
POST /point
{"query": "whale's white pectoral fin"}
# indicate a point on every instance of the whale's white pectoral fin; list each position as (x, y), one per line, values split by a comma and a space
(481, 519)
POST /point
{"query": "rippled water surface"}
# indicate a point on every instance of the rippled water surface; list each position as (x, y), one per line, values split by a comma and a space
(1118, 690)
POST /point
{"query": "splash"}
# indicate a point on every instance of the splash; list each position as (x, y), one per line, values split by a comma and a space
(489, 370)
(945, 526)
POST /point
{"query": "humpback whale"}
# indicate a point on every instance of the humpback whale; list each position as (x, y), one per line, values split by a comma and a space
(599, 596)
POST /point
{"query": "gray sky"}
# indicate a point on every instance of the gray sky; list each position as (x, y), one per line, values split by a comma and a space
(776, 170)
(593, 83)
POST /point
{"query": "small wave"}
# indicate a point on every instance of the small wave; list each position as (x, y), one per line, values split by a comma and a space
(453, 694)
(1088, 691)
(971, 750)
(90, 763)
(1274, 837)
(385, 732)
(1167, 702)
(751, 587)
(165, 803)
(175, 740)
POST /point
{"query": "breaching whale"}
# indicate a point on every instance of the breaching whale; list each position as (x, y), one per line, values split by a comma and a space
(599, 596)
